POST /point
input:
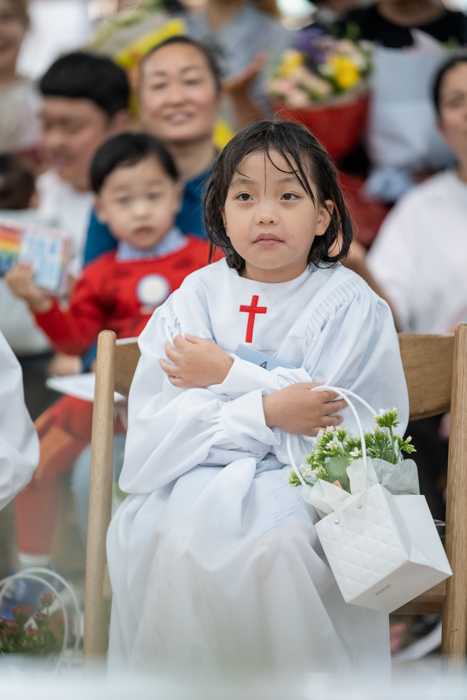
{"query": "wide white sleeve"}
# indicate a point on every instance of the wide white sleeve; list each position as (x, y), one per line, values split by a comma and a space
(352, 343)
(394, 257)
(172, 430)
(19, 444)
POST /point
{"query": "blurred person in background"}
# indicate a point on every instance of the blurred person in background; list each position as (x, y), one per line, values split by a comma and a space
(19, 445)
(420, 256)
(247, 34)
(389, 22)
(412, 38)
(19, 100)
(85, 100)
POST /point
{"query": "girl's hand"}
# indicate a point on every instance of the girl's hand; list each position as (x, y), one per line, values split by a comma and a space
(196, 362)
(299, 411)
(20, 281)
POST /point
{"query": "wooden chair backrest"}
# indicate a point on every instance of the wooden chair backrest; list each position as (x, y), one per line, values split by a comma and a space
(427, 362)
(127, 355)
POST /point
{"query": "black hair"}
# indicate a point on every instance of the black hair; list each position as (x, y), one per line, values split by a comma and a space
(209, 53)
(458, 58)
(303, 153)
(125, 150)
(17, 184)
(81, 75)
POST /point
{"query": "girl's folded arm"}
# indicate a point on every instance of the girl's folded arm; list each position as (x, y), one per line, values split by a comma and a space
(172, 430)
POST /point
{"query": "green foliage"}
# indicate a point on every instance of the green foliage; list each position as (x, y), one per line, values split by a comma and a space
(334, 449)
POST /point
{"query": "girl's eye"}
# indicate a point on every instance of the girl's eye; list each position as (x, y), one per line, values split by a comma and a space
(192, 81)
(244, 197)
(124, 200)
(157, 86)
(289, 196)
(153, 196)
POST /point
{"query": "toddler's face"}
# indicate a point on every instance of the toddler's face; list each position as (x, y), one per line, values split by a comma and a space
(271, 220)
(139, 203)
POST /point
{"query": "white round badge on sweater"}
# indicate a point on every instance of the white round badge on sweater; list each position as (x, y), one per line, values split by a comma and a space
(152, 290)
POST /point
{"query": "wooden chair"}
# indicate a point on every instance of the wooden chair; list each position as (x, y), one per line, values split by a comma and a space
(436, 373)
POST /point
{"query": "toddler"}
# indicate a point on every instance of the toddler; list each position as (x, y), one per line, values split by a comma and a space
(137, 193)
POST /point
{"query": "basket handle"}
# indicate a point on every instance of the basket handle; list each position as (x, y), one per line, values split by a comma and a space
(344, 394)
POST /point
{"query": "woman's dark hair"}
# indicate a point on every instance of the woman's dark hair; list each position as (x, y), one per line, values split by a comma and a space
(458, 58)
(83, 75)
(17, 184)
(208, 52)
(307, 160)
(125, 150)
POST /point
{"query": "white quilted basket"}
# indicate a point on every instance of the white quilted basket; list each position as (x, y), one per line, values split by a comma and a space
(383, 550)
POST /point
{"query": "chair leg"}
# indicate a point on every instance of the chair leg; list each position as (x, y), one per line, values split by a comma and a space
(96, 613)
(454, 642)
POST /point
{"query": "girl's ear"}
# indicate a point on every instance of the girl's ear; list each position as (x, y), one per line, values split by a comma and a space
(324, 217)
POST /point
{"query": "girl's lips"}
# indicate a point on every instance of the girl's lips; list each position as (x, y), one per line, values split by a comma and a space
(267, 239)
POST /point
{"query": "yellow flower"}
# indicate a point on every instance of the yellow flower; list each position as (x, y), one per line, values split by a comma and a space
(345, 72)
(292, 61)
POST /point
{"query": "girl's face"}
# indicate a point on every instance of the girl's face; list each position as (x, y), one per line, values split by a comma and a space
(453, 110)
(12, 31)
(271, 220)
(179, 98)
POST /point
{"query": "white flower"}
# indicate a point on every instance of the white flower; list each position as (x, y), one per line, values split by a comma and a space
(355, 453)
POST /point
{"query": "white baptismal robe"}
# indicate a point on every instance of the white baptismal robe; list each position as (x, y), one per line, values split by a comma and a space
(19, 444)
(213, 558)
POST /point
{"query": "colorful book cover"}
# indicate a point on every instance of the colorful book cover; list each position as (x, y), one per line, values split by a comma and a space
(47, 250)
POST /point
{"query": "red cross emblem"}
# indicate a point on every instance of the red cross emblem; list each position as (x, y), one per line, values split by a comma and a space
(252, 311)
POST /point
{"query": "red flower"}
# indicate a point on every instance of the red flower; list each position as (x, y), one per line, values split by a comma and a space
(47, 599)
(22, 613)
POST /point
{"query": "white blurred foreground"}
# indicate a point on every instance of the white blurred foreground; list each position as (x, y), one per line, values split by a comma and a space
(422, 680)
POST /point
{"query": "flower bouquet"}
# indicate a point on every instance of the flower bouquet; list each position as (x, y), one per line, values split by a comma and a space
(323, 83)
(41, 628)
(133, 31)
(376, 530)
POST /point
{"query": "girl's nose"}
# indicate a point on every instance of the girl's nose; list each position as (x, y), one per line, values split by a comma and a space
(266, 216)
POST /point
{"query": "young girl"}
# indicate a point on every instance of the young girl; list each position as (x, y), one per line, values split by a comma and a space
(213, 559)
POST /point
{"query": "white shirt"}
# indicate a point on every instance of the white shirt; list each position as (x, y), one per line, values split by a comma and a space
(19, 123)
(420, 256)
(19, 444)
(212, 553)
(63, 207)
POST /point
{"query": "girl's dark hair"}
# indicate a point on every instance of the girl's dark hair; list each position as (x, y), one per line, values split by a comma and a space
(208, 52)
(459, 57)
(125, 150)
(307, 160)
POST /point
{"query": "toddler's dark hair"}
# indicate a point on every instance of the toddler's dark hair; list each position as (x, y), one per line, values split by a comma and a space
(209, 52)
(307, 159)
(17, 184)
(82, 75)
(125, 150)
(452, 62)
